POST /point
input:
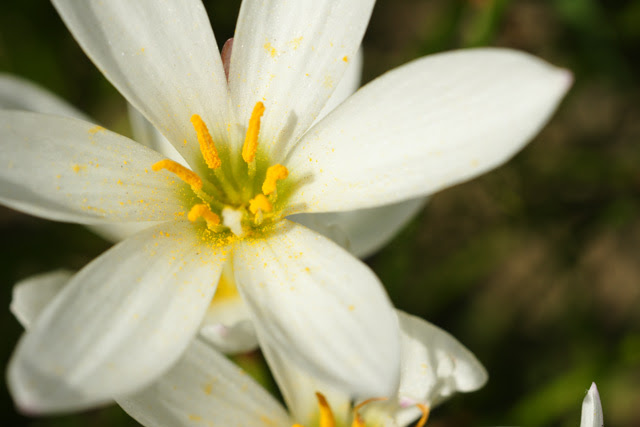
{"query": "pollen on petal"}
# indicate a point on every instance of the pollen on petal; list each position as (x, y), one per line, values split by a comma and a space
(203, 211)
(274, 174)
(250, 146)
(183, 173)
(207, 147)
(260, 202)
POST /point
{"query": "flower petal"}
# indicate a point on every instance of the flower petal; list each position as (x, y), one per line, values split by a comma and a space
(299, 389)
(31, 295)
(364, 231)
(432, 123)
(19, 94)
(434, 366)
(119, 324)
(162, 56)
(330, 312)
(592, 409)
(146, 134)
(291, 56)
(349, 83)
(204, 388)
(68, 170)
(227, 324)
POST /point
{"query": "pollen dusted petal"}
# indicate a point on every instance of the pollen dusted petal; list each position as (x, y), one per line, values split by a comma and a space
(207, 147)
(250, 146)
(274, 174)
(203, 211)
(260, 202)
(183, 173)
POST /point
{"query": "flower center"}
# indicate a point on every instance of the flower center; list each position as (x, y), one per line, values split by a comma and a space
(228, 199)
(327, 419)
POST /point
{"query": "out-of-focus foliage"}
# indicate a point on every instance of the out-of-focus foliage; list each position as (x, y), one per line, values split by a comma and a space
(535, 267)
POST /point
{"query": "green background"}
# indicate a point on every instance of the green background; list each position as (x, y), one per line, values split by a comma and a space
(535, 266)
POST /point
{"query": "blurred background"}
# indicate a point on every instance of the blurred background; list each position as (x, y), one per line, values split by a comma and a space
(534, 267)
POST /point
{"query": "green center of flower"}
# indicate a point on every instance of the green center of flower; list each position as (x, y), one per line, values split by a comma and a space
(241, 197)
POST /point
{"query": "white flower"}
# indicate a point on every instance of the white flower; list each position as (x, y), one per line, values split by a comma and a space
(592, 409)
(205, 388)
(128, 316)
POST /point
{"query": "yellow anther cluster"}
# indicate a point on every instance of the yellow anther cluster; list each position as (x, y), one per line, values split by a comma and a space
(274, 174)
(183, 173)
(220, 193)
(250, 146)
(203, 211)
(207, 147)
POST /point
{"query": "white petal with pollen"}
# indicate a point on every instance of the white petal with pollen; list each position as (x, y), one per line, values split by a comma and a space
(68, 170)
(310, 296)
(363, 231)
(205, 389)
(121, 322)
(291, 56)
(162, 56)
(432, 123)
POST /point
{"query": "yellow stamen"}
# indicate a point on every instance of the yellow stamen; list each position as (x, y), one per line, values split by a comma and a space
(250, 146)
(207, 147)
(183, 173)
(260, 202)
(425, 414)
(357, 419)
(203, 211)
(274, 174)
(326, 415)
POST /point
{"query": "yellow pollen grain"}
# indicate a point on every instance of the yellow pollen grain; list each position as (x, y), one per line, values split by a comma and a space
(274, 174)
(250, 146)
(345, 59)
(203, 211)
(270, 49)
(207, 147)
(326, 415)
(260, 202)
(96, 129)
(183, 173)
(195, 418)
(208, 388)
(78, 168)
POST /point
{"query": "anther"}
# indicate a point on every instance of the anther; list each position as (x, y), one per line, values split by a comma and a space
(326, 415)
(203, 211)
(183, 173)
(274, 174)
(425, 414)
(260, 202)
(207, 147)
(250, 146)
